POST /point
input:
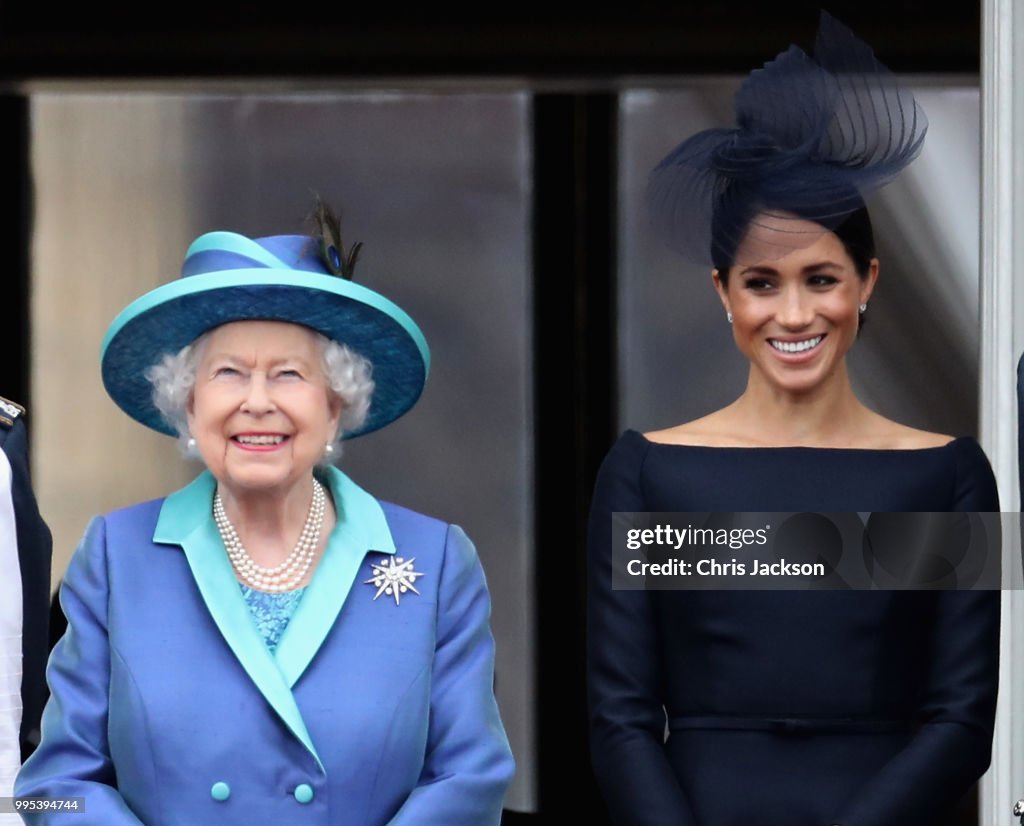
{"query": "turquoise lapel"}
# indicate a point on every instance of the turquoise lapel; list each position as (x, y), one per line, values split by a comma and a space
(186, 519)
(361, 527)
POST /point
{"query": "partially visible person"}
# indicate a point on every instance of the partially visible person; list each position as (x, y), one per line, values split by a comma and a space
(25, 546)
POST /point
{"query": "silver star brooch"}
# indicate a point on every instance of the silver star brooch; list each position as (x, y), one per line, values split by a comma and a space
(394, 576)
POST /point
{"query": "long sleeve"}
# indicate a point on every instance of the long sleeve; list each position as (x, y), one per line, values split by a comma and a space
(469, 763)
(627, 717)
(73, 759)
(952, 747)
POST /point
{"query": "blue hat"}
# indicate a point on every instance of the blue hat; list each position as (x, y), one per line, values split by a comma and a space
(228, 277)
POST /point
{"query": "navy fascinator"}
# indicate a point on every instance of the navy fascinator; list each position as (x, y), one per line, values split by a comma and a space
(813, 137)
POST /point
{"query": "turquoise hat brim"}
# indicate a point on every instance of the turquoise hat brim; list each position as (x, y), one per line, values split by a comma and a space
(173, 315)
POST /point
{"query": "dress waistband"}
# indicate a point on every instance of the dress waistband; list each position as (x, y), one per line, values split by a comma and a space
(790, 725)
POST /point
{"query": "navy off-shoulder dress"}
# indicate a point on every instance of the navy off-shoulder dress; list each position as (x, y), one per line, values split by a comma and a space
(788, 708)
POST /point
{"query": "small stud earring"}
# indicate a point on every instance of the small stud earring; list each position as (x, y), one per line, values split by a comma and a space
(863, 308)
(728, 317)
(329, 449)
(191, 443)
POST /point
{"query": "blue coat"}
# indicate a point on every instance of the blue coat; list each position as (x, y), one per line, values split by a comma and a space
(168, 709)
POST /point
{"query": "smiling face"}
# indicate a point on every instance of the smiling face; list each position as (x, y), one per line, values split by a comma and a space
(261, 411)
(795, 317)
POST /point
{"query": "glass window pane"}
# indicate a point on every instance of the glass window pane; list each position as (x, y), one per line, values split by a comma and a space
(916, 359)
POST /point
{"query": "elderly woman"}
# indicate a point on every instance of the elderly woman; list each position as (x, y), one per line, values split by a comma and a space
(270, 644)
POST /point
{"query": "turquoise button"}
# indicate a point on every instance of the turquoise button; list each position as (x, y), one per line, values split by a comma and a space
(303, 793)
(220, 791)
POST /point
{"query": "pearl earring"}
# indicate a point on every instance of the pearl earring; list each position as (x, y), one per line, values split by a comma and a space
(863, 308)
(329, 449)
(728, 317)
(191, 443)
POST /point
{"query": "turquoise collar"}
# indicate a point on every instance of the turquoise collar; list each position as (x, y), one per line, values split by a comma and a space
(186, 519)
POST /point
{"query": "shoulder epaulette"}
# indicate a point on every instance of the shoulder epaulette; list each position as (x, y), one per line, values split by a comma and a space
(9, 411)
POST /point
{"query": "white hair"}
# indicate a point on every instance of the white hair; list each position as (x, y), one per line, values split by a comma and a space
(348, 376)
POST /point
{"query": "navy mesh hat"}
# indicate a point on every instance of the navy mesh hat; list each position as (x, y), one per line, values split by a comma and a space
(813, 137)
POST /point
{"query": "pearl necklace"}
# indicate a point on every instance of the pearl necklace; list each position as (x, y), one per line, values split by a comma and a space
(287, 575)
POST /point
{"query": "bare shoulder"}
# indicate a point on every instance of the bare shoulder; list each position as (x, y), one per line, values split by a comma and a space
(714, 430)
(891, 435)
(725, 428)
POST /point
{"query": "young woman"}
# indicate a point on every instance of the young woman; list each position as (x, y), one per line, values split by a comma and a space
(796, 708)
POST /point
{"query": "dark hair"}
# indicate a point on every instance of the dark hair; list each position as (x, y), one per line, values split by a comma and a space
(854, 231)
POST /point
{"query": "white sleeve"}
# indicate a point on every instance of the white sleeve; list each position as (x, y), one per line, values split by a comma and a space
(10, 641)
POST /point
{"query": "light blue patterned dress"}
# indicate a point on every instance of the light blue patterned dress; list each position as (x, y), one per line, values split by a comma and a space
(271, 612)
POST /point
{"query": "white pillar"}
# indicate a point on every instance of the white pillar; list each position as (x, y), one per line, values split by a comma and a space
(1002, 342)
